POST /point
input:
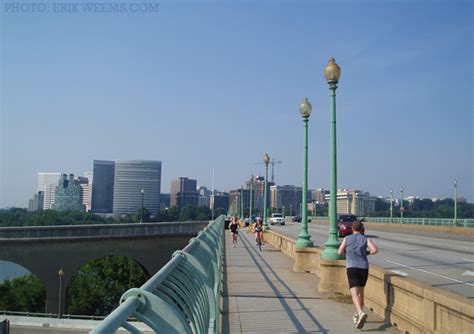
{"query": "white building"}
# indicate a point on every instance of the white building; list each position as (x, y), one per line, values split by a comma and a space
(356, 202)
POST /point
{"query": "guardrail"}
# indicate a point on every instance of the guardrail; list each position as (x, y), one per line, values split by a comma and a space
(448, 222)
(101, 230)
(183, 297)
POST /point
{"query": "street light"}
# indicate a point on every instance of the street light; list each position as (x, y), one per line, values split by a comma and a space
(266, 160)
(60, 274)
(304, 237)
(251, 199)
(242, 202)
(141, 215)
(401, 207)
(391, 206)
(455, 221)
(332, 73)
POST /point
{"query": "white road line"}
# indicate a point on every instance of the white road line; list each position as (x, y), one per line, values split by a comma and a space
(468, 260)
(428, 272)
(468, 273)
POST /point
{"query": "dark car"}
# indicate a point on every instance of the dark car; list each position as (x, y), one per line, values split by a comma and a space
(297, 219)
(344, 224)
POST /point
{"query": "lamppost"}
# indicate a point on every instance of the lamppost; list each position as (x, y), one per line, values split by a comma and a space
(60, 274)
(391, 206)
(266, 160)
(291, 209)
(304, 237)
(332, 72)
(141, 214)
(314, 210)
(401, 207)
(455, 221)
(251, 199)
(242, 202)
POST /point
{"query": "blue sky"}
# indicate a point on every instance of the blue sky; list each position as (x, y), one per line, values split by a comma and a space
(217, 84)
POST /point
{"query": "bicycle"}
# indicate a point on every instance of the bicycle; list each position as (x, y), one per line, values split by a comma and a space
(259, 242)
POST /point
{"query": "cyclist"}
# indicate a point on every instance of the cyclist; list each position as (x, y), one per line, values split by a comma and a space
(234, 227)
(258, 230)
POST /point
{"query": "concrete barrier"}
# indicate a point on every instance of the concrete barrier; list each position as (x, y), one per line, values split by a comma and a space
(412, 306)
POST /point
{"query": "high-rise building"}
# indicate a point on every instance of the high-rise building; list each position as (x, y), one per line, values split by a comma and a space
(204, 198)
(236, 197)
(354, 202)
(131, 177)
(49, 196)
(183, 192)
(68, 194)
(103, 186)
(220, 200)
(43, 179)
(258, 187)
(287, 196)
(37, 202)
(86, 190)
(318, 195)
(164, 201)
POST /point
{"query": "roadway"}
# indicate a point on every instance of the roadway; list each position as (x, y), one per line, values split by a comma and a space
(440, 260)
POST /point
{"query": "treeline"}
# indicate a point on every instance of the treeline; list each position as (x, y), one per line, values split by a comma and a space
(21, 217)
(425, 208)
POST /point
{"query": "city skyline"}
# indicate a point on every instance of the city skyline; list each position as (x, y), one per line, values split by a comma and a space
(120, 87)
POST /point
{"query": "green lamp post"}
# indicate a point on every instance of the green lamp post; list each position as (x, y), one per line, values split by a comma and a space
(242, 202)
(401, 207)
(332, 72)
(391, 206)
(251, 199)
(455, 221)
(304, 237)
(266, 160)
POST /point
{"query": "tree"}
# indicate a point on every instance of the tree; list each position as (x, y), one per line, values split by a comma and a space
(24, 294)
(97, 287)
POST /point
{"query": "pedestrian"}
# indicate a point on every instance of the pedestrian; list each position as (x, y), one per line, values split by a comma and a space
(356, 247)
(234, 230)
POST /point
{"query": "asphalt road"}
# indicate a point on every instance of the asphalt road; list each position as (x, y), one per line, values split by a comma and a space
(440, 260)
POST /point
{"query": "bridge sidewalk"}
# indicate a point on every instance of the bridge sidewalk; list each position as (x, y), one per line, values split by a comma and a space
(262, 294)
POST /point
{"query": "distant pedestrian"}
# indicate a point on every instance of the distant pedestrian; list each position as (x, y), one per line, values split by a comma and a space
(356, 247)
(234, 230)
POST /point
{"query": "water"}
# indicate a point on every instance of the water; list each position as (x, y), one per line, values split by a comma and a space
(11, 270)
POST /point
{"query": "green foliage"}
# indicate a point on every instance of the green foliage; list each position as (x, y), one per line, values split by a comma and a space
(146, 216)
(23, 294)
(97, 287)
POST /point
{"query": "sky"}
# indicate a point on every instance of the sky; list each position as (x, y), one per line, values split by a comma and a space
(214, 85)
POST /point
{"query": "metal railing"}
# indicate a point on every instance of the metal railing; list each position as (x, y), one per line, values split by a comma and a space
(448, 222)
(423, 221)
(183, 297)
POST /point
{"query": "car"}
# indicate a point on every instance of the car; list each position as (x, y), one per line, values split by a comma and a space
(297, 219)
(277, 218)
(344, 224)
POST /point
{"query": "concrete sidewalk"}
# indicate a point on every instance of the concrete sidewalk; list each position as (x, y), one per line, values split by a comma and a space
(262, 294)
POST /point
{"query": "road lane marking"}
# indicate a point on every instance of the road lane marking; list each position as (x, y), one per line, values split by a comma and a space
(468, 273)
(468, 260)
(429, 272)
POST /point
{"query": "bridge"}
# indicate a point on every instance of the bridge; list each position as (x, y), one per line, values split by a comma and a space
(284, 289)
(45, 250)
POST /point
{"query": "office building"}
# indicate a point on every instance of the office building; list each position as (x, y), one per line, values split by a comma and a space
(319, 195)
(258, 187)
(49, 196)
(103, 174)
(37, 202)
(220, 200)
(204, 198)
(130, 178)
(164, 201)
(356, 202)
(287, 196)
(235, 200)
(43, 179)
(68, 194)
(183, 192)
